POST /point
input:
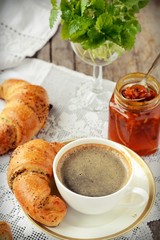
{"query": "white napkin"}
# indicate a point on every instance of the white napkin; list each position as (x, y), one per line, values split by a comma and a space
(24, 29)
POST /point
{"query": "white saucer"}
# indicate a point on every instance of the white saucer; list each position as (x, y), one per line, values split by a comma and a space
(110, 225)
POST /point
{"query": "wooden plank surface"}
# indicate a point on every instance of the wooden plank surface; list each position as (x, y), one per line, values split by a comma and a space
(146, 48)
(139, 58)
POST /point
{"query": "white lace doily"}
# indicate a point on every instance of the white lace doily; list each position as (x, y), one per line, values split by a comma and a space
(24, 29)
(67, 120)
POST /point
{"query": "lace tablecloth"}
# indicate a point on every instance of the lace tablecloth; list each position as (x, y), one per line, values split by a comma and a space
(67, 120)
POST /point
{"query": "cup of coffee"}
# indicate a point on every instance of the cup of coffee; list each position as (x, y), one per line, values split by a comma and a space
(93, 175)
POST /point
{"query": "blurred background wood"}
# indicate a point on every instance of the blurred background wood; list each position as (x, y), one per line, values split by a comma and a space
(139, 58)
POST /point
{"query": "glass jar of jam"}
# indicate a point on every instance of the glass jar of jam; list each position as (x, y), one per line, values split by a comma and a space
(135, 124)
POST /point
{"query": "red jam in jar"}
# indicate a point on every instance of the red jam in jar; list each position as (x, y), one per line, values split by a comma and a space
(139, 92)
(135, 124)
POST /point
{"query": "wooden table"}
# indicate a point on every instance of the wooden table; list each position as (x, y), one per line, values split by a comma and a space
(146, 48)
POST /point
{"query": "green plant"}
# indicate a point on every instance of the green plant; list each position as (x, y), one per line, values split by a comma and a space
(93, 22)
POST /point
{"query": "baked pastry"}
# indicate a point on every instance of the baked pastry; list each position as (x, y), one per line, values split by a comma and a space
(5, 231)
(25, 112)
(29, 176)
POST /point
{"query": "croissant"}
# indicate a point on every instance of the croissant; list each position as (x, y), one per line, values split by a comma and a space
(29, 176)
(25, 112)
(5, 231)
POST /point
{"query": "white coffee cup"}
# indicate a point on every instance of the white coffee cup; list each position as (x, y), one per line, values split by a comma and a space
(97, 204)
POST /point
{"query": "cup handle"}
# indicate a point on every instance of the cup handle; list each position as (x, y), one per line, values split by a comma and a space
(135, 197)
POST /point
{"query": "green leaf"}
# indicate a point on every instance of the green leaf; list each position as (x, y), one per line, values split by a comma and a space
(83, 6)
(128, 35)
(78, 27)
(66, 10)
(95, 39)
(104, 21)
(54, 2)
(143, 3)
(135, 5)
(53, 13)
(98, 5)
(53, 16)
(65, 31)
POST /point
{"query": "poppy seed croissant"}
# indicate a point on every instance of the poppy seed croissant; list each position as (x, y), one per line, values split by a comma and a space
(30, 175)
(24, 114)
